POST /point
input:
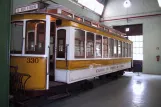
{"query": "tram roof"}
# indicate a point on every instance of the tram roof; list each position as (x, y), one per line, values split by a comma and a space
(63, 13)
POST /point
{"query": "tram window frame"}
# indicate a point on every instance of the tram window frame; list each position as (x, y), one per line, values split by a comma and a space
(13, 43)
(39, 39)
(115, 48)
(129, 50)
(98, 43)
(123, 49)
(119, 48)
(126, 49)
(111, 47)
(61, 48)
(125, 55)
(105, 47)
(90, 49)
(80, 47)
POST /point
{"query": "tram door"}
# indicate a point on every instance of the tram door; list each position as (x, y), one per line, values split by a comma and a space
(52, 52)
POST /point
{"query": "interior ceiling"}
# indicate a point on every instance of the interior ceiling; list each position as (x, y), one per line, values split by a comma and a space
(102, 1)
(115, 8)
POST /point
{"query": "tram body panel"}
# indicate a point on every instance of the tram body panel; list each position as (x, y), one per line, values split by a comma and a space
(75, 75)
(28, 16)
(35, 67)
(80, 64)
(78, 70)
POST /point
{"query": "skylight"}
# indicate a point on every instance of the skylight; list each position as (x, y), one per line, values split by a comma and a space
(93, 5)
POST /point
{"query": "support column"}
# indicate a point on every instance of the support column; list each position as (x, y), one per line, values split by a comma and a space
(4, 51)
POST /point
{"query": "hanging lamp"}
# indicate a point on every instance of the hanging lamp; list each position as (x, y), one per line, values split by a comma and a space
(127, 3)
(159, 2)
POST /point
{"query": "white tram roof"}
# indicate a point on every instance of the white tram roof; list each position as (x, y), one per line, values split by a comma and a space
(70, 15)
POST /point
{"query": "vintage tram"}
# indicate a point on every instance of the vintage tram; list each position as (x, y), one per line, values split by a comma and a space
(53, 44)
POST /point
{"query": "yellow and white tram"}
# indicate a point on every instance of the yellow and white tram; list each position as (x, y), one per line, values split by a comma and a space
(53, 44)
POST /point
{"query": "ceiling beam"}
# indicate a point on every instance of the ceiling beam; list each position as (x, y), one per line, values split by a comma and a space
(104, 9)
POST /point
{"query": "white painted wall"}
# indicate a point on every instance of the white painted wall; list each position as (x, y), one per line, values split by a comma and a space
(66, 3)
(151, 28)
(116, 9)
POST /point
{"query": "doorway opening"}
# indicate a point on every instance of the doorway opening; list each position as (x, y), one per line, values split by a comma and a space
(52, 52)
(135, 34)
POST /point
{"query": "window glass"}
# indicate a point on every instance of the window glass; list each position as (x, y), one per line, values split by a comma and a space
(111, 47)
(126, 49)
(35, 37)
(123, 49)
(120, 49)
(52, 39)
(79, 43)
(137, 47)
(115, 48)
(105, 47)
(129, 50)
(98, 46)
(16, 37)
(90, 45)
(61, 43)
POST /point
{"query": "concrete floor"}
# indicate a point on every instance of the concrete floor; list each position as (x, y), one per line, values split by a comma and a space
(128, 91)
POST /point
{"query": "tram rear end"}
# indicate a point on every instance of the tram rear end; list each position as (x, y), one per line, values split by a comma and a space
(30, 51)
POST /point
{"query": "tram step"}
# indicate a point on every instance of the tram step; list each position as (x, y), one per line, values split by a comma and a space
(55, 97)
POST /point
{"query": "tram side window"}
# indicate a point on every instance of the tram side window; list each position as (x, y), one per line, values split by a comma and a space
(126, 49)
(111, 48)
(98, 47)
(116, 48)
(16, 37)
(129, 50)
(123, 49)
(105, 47)
(79, 43)
(35, 37)
(120, 49)
(61, 41)
(90, 45)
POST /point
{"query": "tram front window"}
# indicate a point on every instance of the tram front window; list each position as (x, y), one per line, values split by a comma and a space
(35, 37)
(16, 37)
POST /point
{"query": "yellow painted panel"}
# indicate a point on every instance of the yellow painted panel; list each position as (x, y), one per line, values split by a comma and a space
(81, 64)
(118, 61)
(60, 64)
(37, 71)
(81, 26)
(28, 16)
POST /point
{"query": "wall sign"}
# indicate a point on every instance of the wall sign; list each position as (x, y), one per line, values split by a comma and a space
(30, 7)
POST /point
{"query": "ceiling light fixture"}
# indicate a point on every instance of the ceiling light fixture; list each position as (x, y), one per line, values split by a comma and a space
(159, 2)
(127, 3)
(127, 29)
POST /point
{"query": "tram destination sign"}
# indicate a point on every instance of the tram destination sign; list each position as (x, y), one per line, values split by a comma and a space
(30, 7)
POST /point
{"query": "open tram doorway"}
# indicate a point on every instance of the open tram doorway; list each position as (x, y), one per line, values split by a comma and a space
(135, 34)
(52, 52)
(56, 50)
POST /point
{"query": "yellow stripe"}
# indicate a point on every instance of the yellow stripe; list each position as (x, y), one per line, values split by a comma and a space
(37, 71)
(81, 26)
(28, 16)
(81, 64)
